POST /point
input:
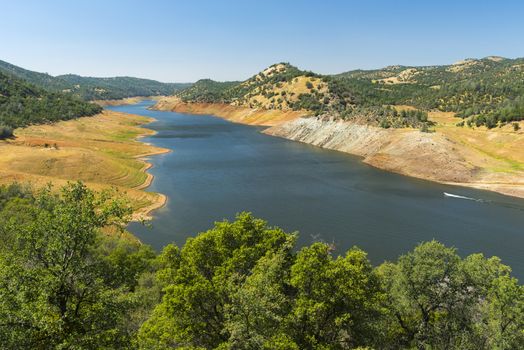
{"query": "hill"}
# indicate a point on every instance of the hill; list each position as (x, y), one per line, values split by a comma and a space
(470, 114)
(486, 91)
(482, 91)
(285, 87)
(207, 91)
(91, 88)
(22, 103)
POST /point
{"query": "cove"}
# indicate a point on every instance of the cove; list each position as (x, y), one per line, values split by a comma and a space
(218, 168)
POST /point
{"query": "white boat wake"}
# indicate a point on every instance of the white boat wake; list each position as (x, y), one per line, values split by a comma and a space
(461, 197)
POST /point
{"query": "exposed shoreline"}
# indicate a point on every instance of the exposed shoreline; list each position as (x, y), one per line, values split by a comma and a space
(126, 100)
(146, 213)
(103, 151)
(143, 213)
(242, 115)
(436, 157)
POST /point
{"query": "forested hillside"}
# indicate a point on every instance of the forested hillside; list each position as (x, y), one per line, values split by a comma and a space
(488, 91)
(66, 284)
(22, 104)
(207, 90)
(90, 88)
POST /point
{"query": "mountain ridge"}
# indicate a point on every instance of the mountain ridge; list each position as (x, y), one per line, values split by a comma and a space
(487, 91)
(22, 104)
(93, 88)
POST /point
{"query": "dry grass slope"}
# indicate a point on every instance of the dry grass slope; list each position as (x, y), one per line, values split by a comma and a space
(498, 153)
(237, 114)
(102, 151)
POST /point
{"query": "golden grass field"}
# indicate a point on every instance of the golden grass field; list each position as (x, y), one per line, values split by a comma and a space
(292, 89)
(102, 151)
(497, 153)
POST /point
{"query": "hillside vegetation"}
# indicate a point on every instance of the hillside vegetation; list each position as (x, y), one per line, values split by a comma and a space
(485, 91)
(90, 88)
(22, 104)
(240, 285)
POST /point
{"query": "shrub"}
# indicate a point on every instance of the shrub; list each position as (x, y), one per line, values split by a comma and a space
(5, 132)
(385, 124)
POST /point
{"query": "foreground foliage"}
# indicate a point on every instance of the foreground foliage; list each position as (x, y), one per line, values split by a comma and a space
(58, 288)
(240, 285)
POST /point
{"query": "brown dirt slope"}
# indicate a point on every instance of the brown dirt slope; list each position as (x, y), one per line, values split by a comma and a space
(125, 101)
(237, 114)
(101, 151)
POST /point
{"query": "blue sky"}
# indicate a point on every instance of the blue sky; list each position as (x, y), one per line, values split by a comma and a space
(233, 39)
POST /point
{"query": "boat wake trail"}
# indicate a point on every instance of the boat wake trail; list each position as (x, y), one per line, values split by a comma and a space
(451, 195)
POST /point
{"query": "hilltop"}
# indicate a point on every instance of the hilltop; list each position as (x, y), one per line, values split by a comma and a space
(484, 91)
(91, 88)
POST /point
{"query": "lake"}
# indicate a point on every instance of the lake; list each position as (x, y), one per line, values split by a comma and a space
(218, 168)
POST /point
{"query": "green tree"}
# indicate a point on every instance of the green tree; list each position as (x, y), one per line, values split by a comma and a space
(435, 299)
(258, 308)
(52, 288)
(502, 325)
(336, 299)
(192, 311)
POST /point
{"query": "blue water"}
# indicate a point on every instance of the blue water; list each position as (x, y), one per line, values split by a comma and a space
(218, 168)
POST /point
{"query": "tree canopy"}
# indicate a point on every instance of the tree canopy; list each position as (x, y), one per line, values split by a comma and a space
(91, 88)
(66, 283)
(22, 104)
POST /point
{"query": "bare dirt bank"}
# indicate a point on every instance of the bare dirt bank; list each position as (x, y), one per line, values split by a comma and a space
(439, 156)
(429, 156)
(244, 115)
(125, 101)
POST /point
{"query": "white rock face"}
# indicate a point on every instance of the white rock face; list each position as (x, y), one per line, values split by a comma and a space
(361, 140)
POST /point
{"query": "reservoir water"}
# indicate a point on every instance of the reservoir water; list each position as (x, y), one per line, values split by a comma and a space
(218, 168)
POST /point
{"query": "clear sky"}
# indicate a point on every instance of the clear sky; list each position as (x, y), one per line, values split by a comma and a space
(182, 41)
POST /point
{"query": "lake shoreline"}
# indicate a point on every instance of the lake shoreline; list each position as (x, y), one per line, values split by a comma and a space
(103, 151)
(378, 147)
(126, 101)
(146, 213)
(221, 168)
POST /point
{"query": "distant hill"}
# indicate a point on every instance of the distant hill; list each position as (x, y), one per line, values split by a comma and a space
(22, 103)
(207, 90)
(487, 91)
(90, 88)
